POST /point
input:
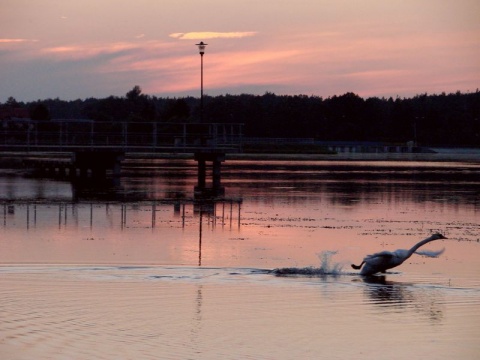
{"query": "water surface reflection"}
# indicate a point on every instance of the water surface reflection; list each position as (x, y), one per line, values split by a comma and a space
(405, 297)
(139, 269)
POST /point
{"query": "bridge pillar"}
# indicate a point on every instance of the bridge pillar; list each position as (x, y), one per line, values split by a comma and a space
(98, 162)
(216, 158)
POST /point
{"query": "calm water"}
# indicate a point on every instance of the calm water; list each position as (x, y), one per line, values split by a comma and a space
(140, 269)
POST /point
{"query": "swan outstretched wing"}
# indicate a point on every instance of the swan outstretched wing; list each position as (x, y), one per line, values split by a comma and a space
(430, 253)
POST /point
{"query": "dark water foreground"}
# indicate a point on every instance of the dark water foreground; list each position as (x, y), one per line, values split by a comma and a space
(57, 312)
(118, 272)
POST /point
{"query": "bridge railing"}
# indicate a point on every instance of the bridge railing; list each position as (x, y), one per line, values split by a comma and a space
(65, 135)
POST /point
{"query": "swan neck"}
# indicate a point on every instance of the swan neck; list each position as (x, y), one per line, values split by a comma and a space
(421, 243)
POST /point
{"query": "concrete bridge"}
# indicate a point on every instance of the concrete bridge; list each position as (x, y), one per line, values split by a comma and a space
(97, 148)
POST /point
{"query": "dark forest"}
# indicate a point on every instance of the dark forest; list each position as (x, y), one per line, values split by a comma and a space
(444, 119)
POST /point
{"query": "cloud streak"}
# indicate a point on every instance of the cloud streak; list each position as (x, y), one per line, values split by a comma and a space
(212, 35)
(77, 52)
(16, 41)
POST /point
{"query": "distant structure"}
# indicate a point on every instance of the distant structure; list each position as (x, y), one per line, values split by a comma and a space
(352, 147)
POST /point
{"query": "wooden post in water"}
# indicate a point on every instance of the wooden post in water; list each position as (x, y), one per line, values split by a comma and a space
(217, 174)
(154, 210)
(202, 173)
(216, 158)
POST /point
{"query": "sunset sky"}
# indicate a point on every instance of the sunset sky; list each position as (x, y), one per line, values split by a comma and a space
(97, 48)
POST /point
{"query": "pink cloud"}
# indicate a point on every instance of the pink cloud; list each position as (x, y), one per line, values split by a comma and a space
(85, 51)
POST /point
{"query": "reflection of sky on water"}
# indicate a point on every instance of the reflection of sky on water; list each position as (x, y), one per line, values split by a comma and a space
(95, 268)
(17, 188)
(347, 183)
(290, 212)
(391, 296)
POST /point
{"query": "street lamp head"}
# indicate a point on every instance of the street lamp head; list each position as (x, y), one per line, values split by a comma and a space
(201, 47)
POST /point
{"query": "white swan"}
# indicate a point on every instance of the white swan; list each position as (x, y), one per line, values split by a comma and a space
(382, 261)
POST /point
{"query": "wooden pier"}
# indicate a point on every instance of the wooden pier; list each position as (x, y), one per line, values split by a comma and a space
(96, 149)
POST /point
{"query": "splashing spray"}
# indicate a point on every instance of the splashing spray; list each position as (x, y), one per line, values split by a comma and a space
(326, 267)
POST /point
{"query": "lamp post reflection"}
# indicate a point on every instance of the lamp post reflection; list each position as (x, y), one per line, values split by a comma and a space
(200, 239)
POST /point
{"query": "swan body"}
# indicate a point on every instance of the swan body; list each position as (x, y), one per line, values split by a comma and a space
(382, 261)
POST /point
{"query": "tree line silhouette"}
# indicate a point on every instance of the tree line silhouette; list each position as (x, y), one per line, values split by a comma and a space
(443, 119)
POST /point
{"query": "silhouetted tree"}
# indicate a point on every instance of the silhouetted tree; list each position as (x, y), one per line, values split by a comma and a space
(39, 112)
(12, 102)
(176, 110)
(134, 94)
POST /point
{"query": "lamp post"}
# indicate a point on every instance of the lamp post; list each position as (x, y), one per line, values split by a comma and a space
(201, 50)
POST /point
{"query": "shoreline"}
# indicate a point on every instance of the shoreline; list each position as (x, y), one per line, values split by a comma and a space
(472, 155)
(431, 157)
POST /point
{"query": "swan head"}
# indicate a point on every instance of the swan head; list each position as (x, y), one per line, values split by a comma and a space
(438, 236)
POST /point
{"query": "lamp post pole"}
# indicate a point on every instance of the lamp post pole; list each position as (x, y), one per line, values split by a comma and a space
(201, 50)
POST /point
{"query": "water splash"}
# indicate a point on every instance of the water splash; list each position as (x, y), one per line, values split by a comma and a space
(326, 267)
